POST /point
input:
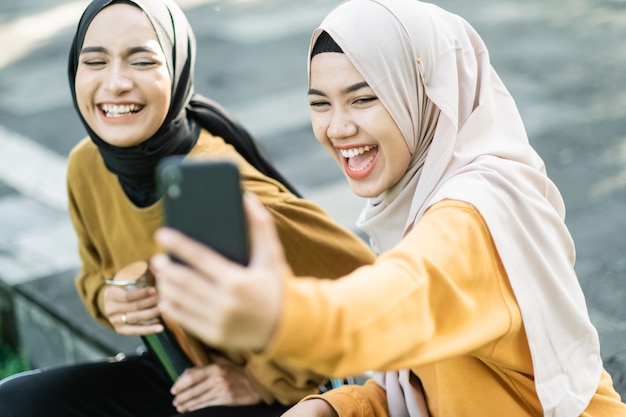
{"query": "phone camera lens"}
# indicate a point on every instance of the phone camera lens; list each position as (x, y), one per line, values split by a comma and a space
(173, 191)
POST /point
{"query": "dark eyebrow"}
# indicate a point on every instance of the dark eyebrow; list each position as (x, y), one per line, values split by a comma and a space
(313, 91)
(88, 49)
(130, 51)
(355, 87)
(141, 49)
(346, 90)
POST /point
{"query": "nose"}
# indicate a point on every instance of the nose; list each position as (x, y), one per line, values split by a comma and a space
(341, 125)
(117, 79)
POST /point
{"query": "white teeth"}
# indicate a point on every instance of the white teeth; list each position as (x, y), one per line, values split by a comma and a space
(349, 153)
(114, 110)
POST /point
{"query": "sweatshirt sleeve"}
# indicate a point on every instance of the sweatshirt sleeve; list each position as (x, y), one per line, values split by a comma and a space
(90, 281)
(367, 400)
(433, 296)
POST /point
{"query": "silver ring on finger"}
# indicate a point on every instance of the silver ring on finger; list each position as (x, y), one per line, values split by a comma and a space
(124, 319)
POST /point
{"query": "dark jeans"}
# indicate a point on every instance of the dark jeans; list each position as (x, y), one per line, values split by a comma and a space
(134, 387)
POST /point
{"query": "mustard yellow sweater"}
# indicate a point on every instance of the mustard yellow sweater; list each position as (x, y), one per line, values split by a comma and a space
(113, 233)
(439, 304)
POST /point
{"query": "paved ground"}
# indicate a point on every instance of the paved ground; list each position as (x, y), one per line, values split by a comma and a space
(563, 60)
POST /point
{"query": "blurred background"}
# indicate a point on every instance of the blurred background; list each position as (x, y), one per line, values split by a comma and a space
(564, 61)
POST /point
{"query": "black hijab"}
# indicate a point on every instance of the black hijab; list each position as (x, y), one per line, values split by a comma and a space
(188, 111)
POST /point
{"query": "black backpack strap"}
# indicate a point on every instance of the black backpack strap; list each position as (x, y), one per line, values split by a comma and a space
(220, 122)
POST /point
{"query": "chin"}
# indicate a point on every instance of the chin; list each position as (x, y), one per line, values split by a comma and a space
(121, 142)
(360, 191)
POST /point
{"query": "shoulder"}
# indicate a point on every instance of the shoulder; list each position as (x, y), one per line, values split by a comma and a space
(449, 230)
(209, 145)
(452, 214)
(85, 166)
(85, 153)
(450, 206)
(455, 215)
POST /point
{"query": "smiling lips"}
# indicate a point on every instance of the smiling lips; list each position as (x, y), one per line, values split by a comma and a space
(119, 110)
(359, 162)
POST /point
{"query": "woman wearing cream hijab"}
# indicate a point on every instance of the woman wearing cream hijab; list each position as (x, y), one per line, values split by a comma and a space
(473, 307)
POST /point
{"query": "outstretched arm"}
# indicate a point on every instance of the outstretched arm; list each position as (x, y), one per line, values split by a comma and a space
(358, 322)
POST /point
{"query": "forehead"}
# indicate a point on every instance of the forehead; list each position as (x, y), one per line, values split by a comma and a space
(333, 70)
(120, 24)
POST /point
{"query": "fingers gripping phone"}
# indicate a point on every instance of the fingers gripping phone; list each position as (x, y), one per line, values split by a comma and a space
(203, 199)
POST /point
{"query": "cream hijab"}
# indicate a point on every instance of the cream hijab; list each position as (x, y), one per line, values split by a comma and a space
(432, 72)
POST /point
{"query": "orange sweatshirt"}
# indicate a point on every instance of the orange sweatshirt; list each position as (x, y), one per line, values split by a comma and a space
(440, 304)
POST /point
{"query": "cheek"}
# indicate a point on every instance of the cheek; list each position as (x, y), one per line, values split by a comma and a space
(162, 96)
(83, 93)
(320, 127)
(319, 124)
(164, 106)
(316, 125)
(80, 84)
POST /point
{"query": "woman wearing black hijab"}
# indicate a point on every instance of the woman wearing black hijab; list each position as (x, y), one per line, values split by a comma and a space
(131, 77)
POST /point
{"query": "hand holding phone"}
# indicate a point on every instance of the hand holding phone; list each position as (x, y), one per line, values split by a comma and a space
(202, 199)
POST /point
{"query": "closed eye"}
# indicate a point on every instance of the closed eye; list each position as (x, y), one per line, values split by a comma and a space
(93, 62)
(365, 100)
(318, 103)
(144, 64)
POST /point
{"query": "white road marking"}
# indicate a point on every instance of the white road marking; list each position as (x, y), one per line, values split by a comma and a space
(33, 170)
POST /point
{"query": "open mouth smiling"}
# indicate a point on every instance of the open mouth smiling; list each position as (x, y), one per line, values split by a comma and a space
(359, 158)
(120, 110)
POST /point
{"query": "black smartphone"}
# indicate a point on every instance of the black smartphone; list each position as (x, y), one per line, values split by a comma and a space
(203, 199)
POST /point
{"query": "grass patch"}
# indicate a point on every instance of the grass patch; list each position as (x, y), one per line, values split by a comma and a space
(12, 362)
